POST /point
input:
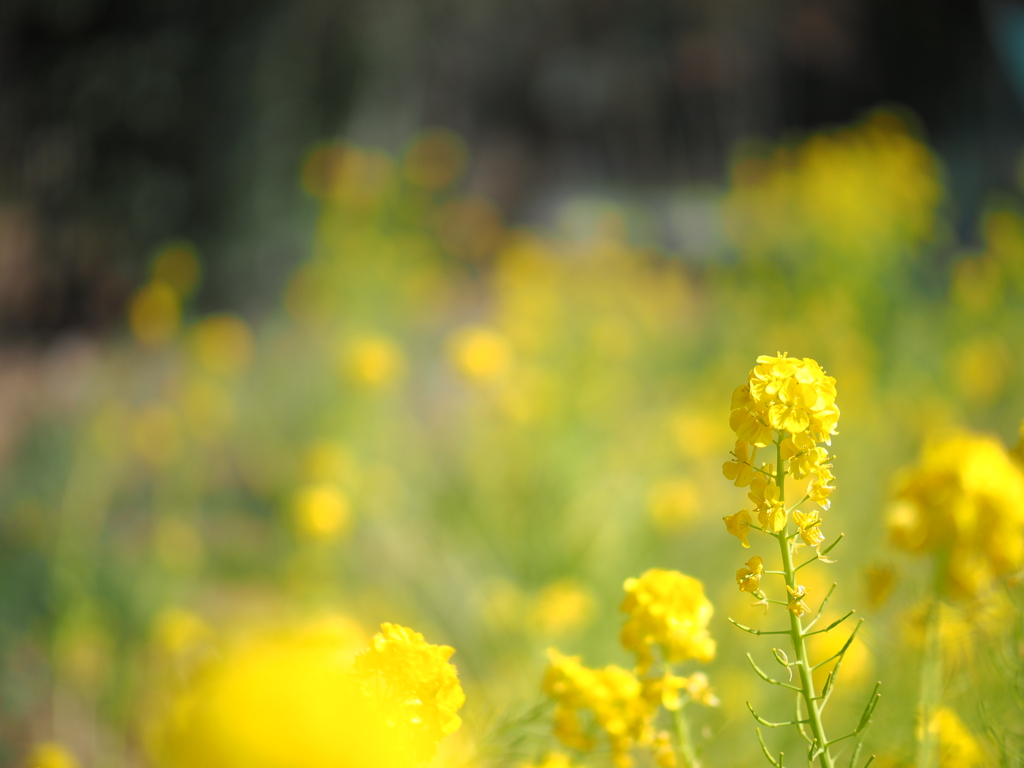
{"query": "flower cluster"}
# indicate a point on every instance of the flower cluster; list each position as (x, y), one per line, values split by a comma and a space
(612, 695)
(965, 501)
(667, 609)
(789, 402)
(416, 681)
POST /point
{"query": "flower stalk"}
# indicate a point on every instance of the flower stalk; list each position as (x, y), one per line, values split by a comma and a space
(789, 403)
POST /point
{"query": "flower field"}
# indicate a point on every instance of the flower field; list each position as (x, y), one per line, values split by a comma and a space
(475, 495)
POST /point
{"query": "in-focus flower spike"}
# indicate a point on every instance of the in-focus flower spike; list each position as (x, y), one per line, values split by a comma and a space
(789, 403)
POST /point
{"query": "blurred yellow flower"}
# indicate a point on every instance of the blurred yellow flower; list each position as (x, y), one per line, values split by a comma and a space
(50, 755)
(957, 746)
(283, 700)
(321, 511)
(612, 696)
(416, 682)
(673, 503)
(856, 199)
(154, 314)
(372, 362)
(480, 353)
(667, 609)
(223, 344)
(964, 500)
(560, 607)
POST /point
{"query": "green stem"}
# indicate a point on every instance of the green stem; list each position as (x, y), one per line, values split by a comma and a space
(929, 690)
(683, 737)
(796, 631)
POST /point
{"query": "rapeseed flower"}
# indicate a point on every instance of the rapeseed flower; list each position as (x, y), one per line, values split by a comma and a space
(614, 698)
(964, 500)
(416, 682)
(667, 609)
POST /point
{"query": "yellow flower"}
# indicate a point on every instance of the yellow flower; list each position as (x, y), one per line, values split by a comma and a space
(50, 755)
(957, 746)
(321, 511)
(283, 700)
(372, 362)
(787, 394)
(668, 609)
(700, 690)
(480, 354)
(416, 680)
(797, 606)
(664, 752)
(739, 469)
(809, 524)
(613, 697)
(739, 526)
(964, 499)
(749, 576)
(664, 691)
(772, 517)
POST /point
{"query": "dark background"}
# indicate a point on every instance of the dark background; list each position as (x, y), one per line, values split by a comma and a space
(124, 123)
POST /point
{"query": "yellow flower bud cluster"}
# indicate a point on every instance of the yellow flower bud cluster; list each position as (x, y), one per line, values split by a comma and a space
(667, 609)
(613, 695)
(415, 680)
(965, 501)
(791, 402)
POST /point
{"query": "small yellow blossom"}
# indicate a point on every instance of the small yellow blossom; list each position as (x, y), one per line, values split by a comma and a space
(739, 469)
(797, 606)
(809, 524)
(749, 576)
(739, 526)
(667, 609)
